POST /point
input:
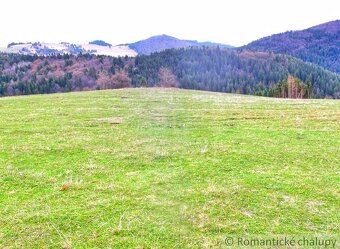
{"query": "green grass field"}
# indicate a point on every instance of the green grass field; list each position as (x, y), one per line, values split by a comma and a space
(153, 168)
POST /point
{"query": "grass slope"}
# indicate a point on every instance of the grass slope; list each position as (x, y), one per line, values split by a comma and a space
(150, 168)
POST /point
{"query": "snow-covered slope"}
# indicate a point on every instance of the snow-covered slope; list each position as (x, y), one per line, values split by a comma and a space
(41, 48)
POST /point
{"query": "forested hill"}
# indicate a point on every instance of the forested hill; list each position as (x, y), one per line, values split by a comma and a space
(319, 45)
(226, 70)
(163, 42)
(206, 68)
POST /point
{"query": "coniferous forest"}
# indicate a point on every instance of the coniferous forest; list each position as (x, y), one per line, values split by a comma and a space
(233, 71)
(201, 68)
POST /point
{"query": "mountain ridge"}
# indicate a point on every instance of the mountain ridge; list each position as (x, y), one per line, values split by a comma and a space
(159, 43)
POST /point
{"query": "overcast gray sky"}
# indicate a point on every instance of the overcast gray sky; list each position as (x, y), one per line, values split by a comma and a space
(234, 22)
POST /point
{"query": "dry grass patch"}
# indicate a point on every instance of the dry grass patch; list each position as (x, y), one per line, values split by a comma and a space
(111, 120)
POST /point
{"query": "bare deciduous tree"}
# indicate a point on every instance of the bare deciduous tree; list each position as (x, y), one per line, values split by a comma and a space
(167, 78)
(118, 80)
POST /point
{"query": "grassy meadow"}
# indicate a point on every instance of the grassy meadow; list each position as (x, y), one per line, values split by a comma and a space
(156, 168)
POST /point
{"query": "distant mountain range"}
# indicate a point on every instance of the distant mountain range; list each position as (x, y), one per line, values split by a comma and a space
(99, 47)
(319, 45)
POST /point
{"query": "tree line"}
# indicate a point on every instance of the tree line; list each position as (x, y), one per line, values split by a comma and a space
(206, 68)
